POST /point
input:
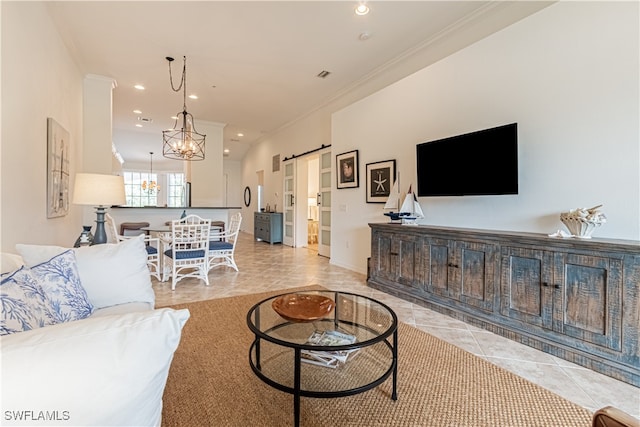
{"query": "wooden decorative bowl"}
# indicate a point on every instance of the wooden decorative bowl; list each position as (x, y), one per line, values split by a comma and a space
(302, 307)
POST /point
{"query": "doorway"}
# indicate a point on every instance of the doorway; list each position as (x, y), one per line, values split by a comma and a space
(313, 188)
(307, 181)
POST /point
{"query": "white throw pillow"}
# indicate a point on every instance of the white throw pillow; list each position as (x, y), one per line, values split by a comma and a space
(116, 273)
(36, 254)
(107, 371)
(10, 262)
(110, 273)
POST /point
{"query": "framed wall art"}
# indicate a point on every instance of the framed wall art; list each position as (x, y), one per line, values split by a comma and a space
(380, 178)
(58, 141)
(347, 169)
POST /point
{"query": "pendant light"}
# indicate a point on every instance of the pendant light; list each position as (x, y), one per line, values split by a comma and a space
(152, 187)
(184, 143)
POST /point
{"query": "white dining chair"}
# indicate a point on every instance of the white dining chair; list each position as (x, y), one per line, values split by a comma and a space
(188, 255)
(152, 245)
(222, 245)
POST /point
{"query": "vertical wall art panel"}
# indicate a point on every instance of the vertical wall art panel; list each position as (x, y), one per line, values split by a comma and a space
(58, 141)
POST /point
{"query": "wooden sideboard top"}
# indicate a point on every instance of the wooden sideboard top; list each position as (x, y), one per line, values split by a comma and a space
(520, 237)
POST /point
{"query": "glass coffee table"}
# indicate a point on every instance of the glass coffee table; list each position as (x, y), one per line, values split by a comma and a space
(323, 353)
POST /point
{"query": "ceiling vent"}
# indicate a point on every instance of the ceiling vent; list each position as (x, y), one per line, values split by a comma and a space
(144, 119)
(323, 74)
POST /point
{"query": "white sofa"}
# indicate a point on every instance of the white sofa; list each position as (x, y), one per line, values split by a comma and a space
(109, 368)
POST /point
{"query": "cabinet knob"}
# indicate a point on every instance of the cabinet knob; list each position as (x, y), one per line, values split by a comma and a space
(453, 265)
(545, 284)
(556, 286)
(394, 253)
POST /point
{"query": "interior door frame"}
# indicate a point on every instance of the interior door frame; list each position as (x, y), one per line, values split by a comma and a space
(288, 202)
(290, 195)
(324, 202)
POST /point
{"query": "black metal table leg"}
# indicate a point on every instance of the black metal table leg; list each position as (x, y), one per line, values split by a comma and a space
(394, 394)
(257, 320)
(296, 387)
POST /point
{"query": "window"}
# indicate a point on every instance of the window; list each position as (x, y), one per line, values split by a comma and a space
(175, 190)
(136, 196)
(171, 194)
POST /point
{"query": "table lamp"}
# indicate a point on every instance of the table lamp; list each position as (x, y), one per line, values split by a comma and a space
(100, 191)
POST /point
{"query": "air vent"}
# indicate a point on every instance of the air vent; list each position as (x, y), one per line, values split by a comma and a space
(323, 74)
(144, 119)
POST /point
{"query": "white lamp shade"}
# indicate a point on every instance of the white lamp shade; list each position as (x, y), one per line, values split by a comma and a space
(98, 190)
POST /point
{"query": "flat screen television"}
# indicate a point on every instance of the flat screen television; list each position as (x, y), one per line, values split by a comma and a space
(479, 163)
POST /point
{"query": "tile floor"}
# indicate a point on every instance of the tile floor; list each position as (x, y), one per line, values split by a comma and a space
(265, 267)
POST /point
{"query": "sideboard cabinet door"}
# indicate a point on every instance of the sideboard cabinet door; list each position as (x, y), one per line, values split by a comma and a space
(588, 303)
(476, 274)
(407, 251)
(527, 286)
(436, 269)
(384, 264)
(396, 258)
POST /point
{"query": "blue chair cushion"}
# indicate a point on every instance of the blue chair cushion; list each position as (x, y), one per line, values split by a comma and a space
(185, 254)
(151, 250)
(220, 246)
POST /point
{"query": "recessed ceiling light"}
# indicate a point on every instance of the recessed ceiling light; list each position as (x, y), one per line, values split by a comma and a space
(138, 125)
(137, 112)
(226, 150)
(364, 36)
(174, 118)
(362, 9)
(193, 96)
(139, 87)
(240, 134)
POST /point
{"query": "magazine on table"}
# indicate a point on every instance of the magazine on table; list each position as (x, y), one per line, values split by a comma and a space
(329, 359)
(318, 359)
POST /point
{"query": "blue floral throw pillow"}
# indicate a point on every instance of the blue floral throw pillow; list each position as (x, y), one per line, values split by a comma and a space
(61, 283)
(24, 304)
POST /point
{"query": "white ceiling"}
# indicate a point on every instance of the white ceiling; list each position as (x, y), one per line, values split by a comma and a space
(253, 65)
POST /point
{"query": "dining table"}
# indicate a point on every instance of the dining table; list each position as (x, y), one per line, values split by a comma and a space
(164, 231)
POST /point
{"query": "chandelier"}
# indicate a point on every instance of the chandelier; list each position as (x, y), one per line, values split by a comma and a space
(152, 186)
(186, 143)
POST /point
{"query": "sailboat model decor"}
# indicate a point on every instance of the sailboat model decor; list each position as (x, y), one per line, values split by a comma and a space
(408, 212)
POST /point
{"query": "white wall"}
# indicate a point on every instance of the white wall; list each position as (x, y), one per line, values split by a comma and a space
(235, 191)
(568, 75)
(97, 124)
(206, 175)
(39, 80)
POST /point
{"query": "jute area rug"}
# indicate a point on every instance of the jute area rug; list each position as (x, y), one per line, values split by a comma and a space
(211, 384)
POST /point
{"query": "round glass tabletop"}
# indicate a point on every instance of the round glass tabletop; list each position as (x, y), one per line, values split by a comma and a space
(366, 319)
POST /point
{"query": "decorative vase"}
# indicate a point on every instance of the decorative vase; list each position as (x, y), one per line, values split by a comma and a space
(582, 222)
(85, 238)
